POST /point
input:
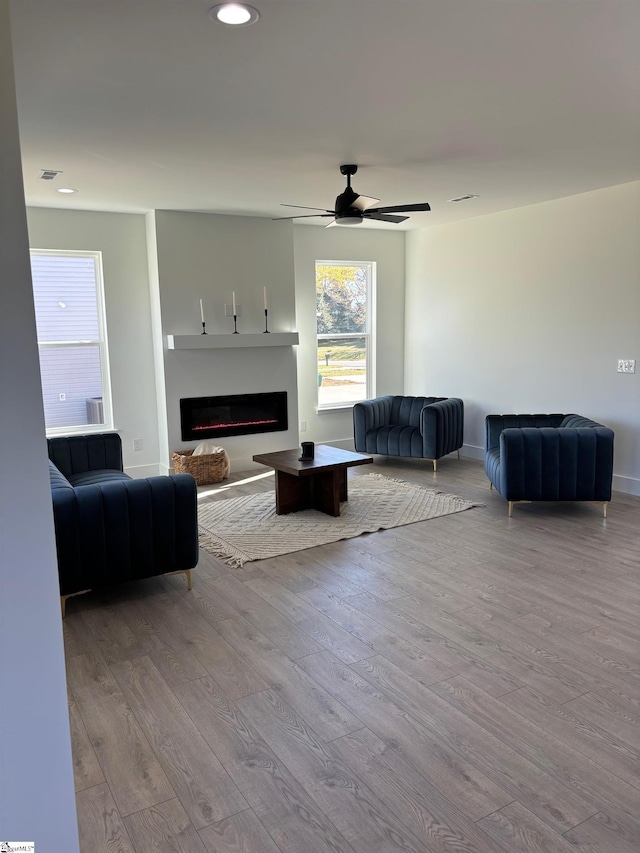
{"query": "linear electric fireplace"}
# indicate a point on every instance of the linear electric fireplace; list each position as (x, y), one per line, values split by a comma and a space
(234, 414)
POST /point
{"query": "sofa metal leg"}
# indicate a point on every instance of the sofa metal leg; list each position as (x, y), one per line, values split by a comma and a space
(511, 505)
(458, 454)
(435, 465)
(490, 485)
(186, 572)
(63, 600)
(604, 509)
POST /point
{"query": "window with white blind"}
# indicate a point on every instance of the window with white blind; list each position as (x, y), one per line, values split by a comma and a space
(72, 341)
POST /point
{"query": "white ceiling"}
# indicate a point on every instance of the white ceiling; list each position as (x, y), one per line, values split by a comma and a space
(148, 104)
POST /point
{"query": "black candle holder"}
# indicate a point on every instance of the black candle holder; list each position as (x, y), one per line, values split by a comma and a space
(204, 328)
(235, 325)
(266, 324)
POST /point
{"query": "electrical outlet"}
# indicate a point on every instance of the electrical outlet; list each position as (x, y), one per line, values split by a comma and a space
(62, 397)
(303, 426)
(137, 444)
(626, 365)
(228, 310)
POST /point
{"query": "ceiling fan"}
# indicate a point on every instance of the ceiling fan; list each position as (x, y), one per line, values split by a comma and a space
(352, 209)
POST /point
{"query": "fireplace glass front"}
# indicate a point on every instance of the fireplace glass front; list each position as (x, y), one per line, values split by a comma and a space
(234, 414)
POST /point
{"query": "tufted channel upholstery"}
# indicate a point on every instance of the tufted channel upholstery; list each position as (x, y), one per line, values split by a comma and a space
(417, 427)
(110, 528)
(548, 458)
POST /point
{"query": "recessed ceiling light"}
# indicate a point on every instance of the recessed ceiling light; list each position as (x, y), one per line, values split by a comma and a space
(464, 197)
(66, 190)
(234, 14)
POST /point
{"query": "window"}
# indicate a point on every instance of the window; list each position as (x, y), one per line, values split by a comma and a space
(344, 311)
(69, 303)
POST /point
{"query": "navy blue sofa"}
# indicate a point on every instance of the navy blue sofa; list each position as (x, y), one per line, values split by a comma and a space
(549, 458)
(110, 528)
(416, 427)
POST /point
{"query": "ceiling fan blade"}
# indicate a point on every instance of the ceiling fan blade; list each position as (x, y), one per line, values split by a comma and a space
(383, 217)
(301, 216)
(401, 208)
(306, 207)
(331, 224)
(363, 202)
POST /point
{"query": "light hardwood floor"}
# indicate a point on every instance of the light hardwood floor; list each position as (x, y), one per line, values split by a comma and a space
(470, 683)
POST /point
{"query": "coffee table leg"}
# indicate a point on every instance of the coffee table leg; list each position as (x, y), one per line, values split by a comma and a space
(326, 492)
(321, 490)
(343, 484)
(290, 493)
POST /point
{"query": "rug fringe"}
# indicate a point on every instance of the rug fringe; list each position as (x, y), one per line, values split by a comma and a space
(220, 551)
(413, 486)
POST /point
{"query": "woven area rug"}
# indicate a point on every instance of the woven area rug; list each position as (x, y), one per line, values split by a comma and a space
(239, 530)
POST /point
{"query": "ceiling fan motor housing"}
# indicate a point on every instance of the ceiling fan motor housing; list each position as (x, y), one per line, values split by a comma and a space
(345, 201)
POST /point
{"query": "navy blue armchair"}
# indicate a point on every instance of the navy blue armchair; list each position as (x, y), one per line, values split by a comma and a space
(548, 458)
(417, 427)
(110, 528)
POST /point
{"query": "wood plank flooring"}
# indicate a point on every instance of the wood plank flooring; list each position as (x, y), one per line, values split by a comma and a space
(469, 684)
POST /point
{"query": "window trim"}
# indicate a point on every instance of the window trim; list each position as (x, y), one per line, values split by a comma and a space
(101, 343)
(369, 335)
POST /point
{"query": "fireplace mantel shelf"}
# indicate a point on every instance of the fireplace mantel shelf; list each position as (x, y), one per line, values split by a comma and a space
(231, 341)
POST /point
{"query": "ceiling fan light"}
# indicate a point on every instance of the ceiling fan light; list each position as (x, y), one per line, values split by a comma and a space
(234, 14)
(348, 220)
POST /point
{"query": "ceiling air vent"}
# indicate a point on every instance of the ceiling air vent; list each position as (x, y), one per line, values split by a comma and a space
(464, 197)
(50, 174)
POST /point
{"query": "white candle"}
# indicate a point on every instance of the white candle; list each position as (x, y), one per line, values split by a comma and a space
(201, 311)
(264, 290)
(234, 303)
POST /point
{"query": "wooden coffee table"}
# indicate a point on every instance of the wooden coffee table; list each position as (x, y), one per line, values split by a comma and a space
(320, 483)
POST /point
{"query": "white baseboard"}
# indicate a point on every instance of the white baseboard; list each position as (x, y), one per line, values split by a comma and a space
(342, 443)
(236, 466)
(139, 472)
(627, 485)
(471, 451)
(241, 464)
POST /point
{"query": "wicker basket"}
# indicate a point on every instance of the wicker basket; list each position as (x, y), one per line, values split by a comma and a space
(207, 468)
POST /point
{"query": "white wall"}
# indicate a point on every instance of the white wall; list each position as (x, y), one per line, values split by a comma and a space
(387, 249)
(122, 240)
(522, 310)
(528, 311)
(36, 777)
(207, 256)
